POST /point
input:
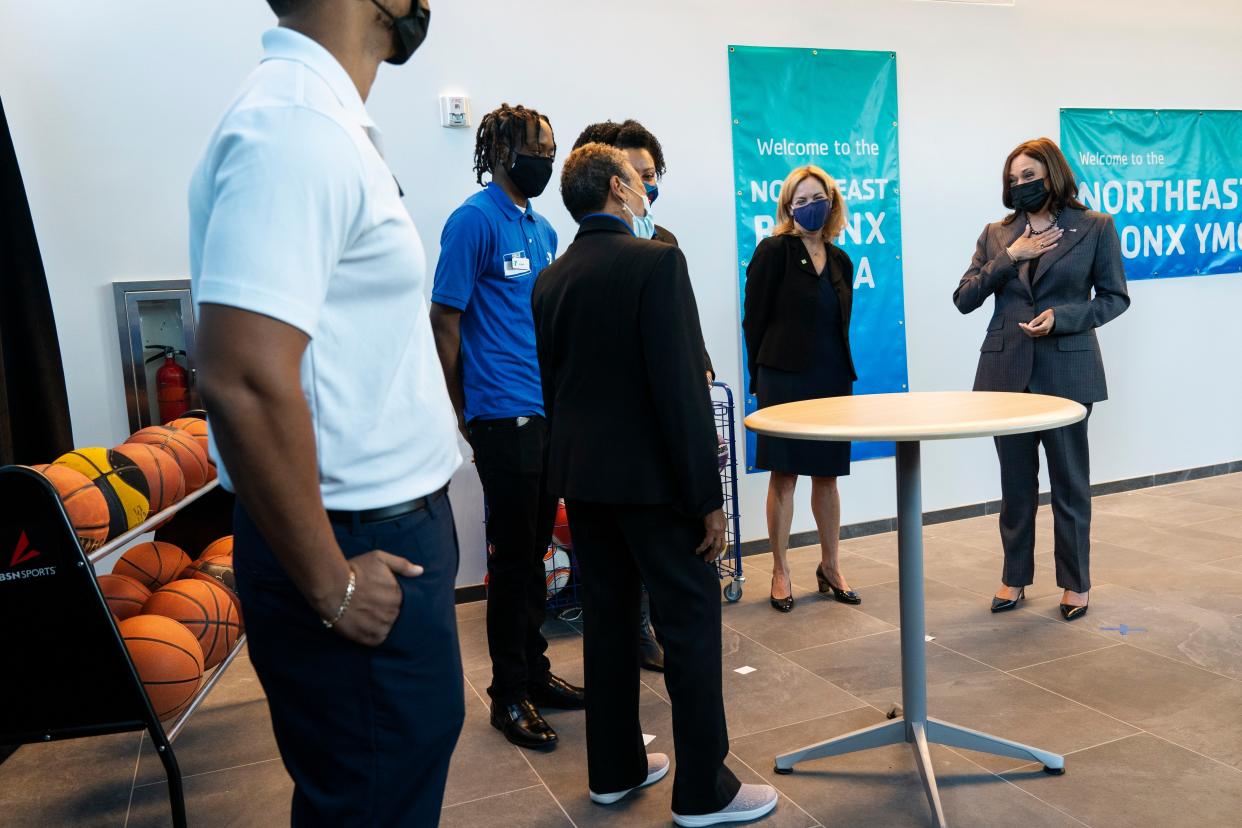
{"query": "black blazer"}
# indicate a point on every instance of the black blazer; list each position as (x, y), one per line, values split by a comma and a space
(664, 235)
(1082, 280)
(620, 353)
(782, 294)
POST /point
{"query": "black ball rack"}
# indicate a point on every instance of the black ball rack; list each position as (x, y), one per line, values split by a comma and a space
(57, 633)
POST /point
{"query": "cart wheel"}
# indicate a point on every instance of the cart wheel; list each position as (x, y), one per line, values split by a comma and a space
(733, 592)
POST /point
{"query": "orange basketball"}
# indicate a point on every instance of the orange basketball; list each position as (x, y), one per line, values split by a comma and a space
(206, 609)
(125, 595)
(153, 563)
(183, 448)
(168, 660)
(165, 482)
(218, 548)
(84, 503)
(218, 570)
(197, 428)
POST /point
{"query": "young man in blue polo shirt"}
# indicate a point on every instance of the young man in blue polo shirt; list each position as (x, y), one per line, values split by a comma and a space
(491, 251)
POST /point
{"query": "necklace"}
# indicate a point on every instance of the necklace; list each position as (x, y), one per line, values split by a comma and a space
(1051, 224)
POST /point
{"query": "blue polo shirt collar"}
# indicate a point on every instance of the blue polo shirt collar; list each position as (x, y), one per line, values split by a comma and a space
(283, 43)
(505, 204)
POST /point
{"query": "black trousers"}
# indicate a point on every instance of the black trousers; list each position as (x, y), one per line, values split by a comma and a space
(512, 461)
(618, 548)
(1069, 470)
(365, 732)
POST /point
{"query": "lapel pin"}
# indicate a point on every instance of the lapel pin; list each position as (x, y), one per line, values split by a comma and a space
(804, 261)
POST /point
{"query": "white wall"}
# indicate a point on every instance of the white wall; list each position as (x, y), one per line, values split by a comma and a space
(110, 104)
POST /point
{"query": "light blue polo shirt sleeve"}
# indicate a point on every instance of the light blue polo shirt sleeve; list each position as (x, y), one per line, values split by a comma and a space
(288, 196)
(463, 257)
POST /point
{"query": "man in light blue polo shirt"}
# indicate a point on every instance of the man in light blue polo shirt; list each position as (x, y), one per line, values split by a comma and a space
(491, 251)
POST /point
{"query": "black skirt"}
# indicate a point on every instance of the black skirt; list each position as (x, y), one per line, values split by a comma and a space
(827, 376)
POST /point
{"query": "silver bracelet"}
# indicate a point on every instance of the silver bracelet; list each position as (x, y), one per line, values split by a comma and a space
(349, 595)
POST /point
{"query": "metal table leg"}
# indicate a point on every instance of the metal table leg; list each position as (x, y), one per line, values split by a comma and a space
(915, 727)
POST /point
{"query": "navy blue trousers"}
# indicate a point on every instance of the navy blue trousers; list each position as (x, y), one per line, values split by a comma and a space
(365, 732)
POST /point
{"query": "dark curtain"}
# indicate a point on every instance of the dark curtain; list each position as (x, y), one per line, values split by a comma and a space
(34, 408)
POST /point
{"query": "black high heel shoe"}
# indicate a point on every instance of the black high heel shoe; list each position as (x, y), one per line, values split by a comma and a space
(1006, 604)
(1072, 613)
(783, 604)
(826, 588)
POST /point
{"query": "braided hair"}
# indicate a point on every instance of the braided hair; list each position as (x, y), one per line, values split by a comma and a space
(627, 135)
(502, 128)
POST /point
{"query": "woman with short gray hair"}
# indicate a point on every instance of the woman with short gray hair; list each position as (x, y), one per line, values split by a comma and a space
(633, 452)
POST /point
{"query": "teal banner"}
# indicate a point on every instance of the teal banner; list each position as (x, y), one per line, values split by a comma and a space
(1170, 178)
(838, 110)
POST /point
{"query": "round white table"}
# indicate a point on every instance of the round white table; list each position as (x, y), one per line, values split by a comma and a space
(907, 419)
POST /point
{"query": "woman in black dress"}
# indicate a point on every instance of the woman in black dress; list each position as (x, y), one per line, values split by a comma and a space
(799, 289)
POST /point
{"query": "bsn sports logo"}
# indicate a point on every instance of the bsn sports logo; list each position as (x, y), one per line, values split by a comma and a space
(23, 553)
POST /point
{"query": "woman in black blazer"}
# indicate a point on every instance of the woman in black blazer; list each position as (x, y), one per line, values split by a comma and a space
(1054, 270)
(646, 156)
(799, 290)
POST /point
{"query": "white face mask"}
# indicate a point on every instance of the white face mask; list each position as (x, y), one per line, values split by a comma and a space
(644, 225)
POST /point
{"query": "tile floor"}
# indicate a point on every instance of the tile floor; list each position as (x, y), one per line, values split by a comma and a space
(1150, 720)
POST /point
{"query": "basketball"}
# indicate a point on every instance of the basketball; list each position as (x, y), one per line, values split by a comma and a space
(183, 448)
(125, 595)
(165, 483)
(219, 548)
(722, 452)
(122, 483)
(84, 503)
(206, 610)
(216, 570)
(168, 659)
(153, 563)
(196, 428)
(557, 569)
(560, 529)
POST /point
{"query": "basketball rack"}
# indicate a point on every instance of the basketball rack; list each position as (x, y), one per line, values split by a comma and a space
(56, 628)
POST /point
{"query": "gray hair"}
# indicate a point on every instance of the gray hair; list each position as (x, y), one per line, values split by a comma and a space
(587, 177)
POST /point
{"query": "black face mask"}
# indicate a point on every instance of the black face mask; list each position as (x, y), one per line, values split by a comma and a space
(408, 31)
(1030, 196)
(530, 174)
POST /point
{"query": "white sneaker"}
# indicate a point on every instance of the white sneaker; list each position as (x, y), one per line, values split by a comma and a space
(657, 769)
(751, 802)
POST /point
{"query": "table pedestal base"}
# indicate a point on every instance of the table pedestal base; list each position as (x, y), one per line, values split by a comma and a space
(918, 735)
(916, 728)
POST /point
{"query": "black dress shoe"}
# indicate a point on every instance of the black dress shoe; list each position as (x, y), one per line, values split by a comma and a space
(826, 588)
(558, 694)
(1006, 604)
(522, 725)
(1072, 613)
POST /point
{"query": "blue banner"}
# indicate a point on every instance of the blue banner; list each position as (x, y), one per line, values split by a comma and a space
(1171, 179)
(838, 110)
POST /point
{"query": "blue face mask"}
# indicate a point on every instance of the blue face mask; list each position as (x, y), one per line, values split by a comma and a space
(812, 216)
(653, 191)
(644, 226)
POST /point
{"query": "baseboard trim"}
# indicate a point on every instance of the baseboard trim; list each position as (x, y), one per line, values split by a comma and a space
(470, 594)
(992, 507)
(478, 592)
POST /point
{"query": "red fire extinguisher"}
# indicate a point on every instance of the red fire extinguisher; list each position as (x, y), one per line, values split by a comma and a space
(172, 383)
